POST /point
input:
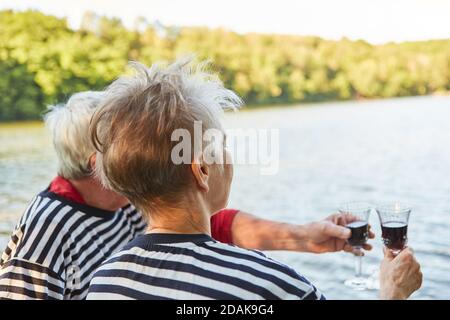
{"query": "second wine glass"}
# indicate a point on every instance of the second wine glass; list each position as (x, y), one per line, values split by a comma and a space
(394, 219)
(358, 213)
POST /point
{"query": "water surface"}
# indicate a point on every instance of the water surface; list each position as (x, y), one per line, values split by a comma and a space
(396, 149)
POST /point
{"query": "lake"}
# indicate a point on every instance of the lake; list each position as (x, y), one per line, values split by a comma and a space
(385, 150)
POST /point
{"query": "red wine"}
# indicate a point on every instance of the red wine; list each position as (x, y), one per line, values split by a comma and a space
(360, 233)
(394, 234)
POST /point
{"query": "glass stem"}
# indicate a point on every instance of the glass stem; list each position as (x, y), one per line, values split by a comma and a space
(358, 262)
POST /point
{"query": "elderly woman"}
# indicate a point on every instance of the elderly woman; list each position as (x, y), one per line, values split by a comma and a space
(133, 130)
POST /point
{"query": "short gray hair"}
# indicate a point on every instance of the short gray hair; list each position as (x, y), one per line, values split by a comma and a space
(69, 127)
(132, 127)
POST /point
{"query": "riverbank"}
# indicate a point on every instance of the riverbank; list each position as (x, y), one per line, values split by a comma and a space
(337, 103)
(256, 107)
(23, 123)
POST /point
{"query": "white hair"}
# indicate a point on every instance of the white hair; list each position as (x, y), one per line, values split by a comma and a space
(132, 127)
(69, 127)
(184, 81)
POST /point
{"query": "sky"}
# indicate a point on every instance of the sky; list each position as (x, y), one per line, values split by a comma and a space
(376, 21)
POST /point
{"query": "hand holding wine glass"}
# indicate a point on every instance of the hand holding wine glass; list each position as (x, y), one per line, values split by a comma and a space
(331, 234)
(400, 275)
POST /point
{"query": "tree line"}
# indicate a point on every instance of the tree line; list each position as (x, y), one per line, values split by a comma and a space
(43, 61)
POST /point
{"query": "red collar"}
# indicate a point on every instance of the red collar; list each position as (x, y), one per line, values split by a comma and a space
(65, 189)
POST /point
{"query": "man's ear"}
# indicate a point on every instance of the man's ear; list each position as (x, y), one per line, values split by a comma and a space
(200, 171)
(92, 161)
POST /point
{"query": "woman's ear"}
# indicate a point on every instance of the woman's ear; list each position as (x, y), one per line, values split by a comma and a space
(200, 171)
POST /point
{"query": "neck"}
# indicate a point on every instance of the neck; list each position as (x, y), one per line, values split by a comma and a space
(191, 216)
(95, 195)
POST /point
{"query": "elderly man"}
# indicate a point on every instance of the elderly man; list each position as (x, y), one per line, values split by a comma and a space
(72, 226)
(177, 258)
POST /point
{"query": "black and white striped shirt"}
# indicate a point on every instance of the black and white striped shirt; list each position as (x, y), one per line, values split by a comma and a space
(58, 244)
(182, 266)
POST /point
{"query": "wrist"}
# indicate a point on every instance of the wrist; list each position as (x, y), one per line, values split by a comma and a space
(392, 294)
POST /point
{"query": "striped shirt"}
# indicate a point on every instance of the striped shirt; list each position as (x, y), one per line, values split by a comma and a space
(58, 244)
(187, 266)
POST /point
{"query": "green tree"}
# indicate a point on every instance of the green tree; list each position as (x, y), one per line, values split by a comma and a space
(44, 61)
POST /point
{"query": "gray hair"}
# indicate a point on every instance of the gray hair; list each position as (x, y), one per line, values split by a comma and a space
(132, 127)
(69, 127)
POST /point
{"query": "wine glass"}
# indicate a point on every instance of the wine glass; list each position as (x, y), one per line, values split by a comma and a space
(359, 213)
(394, 219)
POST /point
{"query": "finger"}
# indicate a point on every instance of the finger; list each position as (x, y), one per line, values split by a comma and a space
(341, 219)
(333, 218)
(346, 218)
(349, 218)
(336, 231)
(406, 256)
(348, 248)
(388, 255)
(416, 267)
(407, 252)
(338, 219)
(410, 249)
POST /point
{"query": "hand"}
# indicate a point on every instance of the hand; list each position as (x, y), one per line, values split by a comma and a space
(330, 234)
(400, 276)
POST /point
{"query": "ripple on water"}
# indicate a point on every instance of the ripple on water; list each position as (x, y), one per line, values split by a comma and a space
(379, 151)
